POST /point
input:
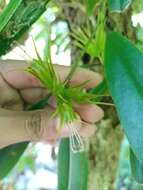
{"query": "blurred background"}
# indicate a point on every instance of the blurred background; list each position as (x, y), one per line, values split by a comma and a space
(108, 150)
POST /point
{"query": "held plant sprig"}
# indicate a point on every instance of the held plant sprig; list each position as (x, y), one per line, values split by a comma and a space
(65, 96)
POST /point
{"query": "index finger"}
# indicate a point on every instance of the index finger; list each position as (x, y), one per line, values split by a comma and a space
(13, 72)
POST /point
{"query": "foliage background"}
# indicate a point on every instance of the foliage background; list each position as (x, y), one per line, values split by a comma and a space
(63, 17)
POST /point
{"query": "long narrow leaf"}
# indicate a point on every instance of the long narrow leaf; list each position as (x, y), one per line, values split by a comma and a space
(8, 13)
(78, 173)
(63, 164)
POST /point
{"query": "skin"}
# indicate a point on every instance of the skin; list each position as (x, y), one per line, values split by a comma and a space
(18, 88)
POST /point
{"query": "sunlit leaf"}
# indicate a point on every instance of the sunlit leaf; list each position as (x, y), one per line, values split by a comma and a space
(92, 40)
(90, 6)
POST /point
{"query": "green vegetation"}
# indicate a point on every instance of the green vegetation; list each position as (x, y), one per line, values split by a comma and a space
(101, 37)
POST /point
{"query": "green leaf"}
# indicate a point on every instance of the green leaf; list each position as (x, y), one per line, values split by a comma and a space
(93, 41)
(63, 164)
(9, 156)
(118, 5)
(101, 89)
(16, 19)
(78, 172)
(100, 33)
(8, 12)
(136, 167)
(123, 68)
(90, 6)
(72, 167)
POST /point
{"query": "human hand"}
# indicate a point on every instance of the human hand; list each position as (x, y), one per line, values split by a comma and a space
(19, 88)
